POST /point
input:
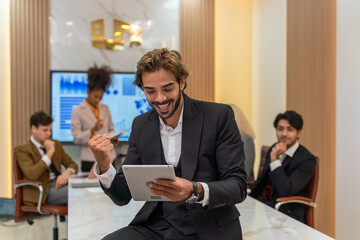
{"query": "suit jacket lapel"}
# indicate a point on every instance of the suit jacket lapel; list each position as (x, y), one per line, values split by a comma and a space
(88, 112)
(154, 151)
(191, 136)
(35, 150)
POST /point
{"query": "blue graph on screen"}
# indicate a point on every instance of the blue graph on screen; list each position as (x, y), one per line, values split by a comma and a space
(68, 89)
(68, 84)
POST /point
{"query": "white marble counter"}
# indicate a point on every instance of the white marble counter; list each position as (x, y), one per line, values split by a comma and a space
(92, 215)
(259, 221)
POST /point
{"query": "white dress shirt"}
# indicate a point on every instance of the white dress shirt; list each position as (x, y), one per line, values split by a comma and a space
(289, 152)
(171, 143)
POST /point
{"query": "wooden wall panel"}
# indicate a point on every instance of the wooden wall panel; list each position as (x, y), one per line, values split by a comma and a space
(311, 91)
(30, 63)
(197, 46)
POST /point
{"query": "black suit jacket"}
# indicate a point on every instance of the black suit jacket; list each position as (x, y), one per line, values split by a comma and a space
(212, 152)
(288, 180)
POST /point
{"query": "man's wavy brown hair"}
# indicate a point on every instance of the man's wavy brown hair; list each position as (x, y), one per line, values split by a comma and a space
(163, 58)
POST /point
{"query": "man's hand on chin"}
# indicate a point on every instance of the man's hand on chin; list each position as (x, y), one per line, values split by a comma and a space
(277, 150)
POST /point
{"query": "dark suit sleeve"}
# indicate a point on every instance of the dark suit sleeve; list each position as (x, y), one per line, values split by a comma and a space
(119, 191)
(297, 180)
(231, 186)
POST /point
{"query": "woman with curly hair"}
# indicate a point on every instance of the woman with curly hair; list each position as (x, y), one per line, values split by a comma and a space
(91, 117)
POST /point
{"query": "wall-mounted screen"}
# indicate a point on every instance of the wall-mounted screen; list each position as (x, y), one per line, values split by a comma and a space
(68, 89)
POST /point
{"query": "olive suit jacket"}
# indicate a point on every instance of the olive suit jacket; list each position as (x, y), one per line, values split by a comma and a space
(211, 152)
(34, 168)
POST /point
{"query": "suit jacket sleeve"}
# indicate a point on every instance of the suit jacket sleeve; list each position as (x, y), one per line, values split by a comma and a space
(231, 186)
(119, 191)
(297, 180)
(31, 168)
(65, 158)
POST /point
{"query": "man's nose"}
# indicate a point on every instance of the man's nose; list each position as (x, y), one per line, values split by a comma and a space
(160, 97)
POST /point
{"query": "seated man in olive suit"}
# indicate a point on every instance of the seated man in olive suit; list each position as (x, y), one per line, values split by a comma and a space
(288, 168)
(40, 159)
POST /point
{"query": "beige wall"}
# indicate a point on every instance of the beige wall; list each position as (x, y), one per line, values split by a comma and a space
(30, 64)
(311, 90)
(233, 41)
(250, 61)
(197, 46)
(347, 120)
(269, 69)
(5, 101)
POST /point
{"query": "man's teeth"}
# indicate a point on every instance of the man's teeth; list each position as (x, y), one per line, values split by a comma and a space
(163, 106)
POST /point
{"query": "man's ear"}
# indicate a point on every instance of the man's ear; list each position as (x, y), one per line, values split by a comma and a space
(182, 84)
(33, 128)
(298, 134)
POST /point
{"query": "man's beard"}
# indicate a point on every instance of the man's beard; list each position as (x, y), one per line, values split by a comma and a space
(177, 103)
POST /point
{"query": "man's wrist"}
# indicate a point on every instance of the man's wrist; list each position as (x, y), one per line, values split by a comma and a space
(103, 169)
(200, 191)
(274, 157)
(50, 153)
(68, 172)
(194, 196)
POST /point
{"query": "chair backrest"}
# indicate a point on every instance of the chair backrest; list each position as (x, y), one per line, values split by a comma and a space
(311, 193)
(18, 175)
(16, 168)
(264, 150)
(313, 184)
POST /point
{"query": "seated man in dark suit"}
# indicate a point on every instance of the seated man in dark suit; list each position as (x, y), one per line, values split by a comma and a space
(40, 159)
(288, 168)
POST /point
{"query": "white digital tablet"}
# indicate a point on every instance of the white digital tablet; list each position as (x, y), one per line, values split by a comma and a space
(139, 177)
(117, 133)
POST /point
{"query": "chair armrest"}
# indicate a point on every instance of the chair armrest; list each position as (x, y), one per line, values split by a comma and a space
(27, 181)
(294, 199)
(37, 184)
(249, 183)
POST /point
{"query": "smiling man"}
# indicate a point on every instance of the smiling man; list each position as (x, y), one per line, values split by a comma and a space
(200, 139)
(288, 168)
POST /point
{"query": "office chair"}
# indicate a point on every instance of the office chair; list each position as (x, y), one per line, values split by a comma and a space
(309, 200)
(26, 212)
(264, 150)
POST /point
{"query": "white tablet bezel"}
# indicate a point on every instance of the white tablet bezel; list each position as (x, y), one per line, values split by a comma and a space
(138, 178)
(116, 133)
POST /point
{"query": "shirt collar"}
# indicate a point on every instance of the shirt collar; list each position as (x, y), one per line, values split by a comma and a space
(91, 106)
(291, 150)
(38, 145)
(163, 125)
